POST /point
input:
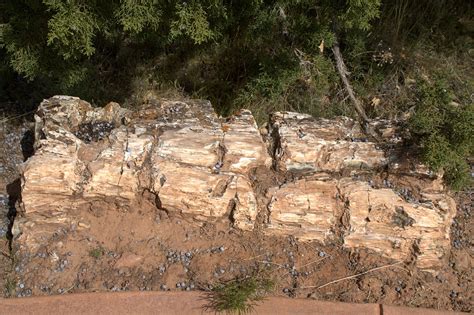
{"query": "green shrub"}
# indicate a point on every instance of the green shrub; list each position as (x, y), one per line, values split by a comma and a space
(239, 296)
(444, 130)
(303, 88)
(10, 286)
(96, 252)
(66, 45)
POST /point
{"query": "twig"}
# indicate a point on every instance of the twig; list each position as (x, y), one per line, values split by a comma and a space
(6, 255)
(352, 277)
(24, 114)
(253, 257)
(67, 290)
(313, 262)
(269, 262)
(17, 116)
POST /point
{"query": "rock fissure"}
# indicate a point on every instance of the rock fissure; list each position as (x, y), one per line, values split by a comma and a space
(126, 154)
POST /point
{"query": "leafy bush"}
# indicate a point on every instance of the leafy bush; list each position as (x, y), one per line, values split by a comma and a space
(445, 132)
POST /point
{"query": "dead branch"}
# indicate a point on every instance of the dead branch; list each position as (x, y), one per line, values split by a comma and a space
(341, 68)
(313, 262)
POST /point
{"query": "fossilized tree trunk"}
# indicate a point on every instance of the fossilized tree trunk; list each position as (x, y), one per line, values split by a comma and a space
(337, 186)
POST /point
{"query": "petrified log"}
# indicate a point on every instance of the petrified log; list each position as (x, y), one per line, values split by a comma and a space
(338, 185)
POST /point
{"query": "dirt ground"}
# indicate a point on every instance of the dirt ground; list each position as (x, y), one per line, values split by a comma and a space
(148, 249)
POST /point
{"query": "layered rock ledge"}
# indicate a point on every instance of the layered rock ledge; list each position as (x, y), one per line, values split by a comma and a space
(331, 183)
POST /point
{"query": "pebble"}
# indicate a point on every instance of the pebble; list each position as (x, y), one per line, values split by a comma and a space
(219, 249)
(457, 243)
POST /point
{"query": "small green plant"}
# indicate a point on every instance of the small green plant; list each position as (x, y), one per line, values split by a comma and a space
(239, 296)
(96, 252)
(10, 285)
(444, 130)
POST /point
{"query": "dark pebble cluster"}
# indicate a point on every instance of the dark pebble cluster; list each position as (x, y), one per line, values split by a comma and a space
(92, 132)
(187, 286)
(219, 271)
(24, 293)
(62, 265)
(217, 250)
(406, 194)
(4, 215)
(387, 183)
(359, 140)
(184, 257)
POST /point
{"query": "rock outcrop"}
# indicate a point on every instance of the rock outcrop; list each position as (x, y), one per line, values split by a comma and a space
(337, 185)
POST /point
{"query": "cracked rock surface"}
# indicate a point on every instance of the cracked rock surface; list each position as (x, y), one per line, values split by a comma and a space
(334, 185)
